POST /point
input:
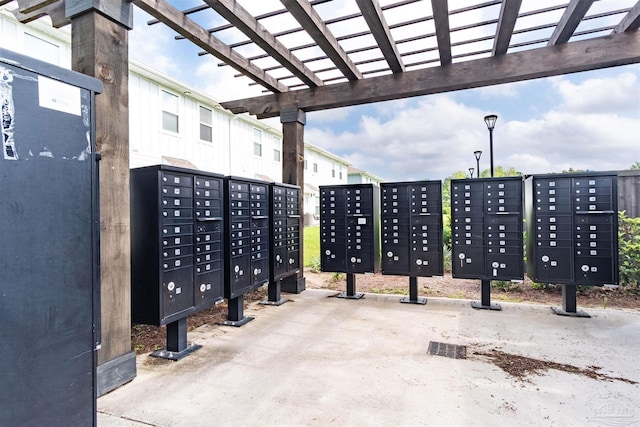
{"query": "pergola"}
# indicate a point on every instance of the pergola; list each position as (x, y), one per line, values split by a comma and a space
(312, 55)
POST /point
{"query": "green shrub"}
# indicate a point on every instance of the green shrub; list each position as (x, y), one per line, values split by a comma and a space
(629, 250)
(544, 286)
(314, 264)
(506, 285)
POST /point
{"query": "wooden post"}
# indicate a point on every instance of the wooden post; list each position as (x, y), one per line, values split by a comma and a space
(293, 121)
(99, 48)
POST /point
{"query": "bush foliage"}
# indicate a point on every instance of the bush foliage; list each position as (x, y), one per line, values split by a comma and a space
(629, 250)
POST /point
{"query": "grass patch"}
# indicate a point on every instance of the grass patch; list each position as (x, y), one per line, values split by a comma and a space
(311, 245)
(390, 291)
(457, 295)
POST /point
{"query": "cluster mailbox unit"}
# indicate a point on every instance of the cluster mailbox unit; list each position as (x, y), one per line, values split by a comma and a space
(285, 237)
(412, 241)
(487, 231)
(572, 225)
(177, 248)
(248, 237)
(350, 231)
(49, 245)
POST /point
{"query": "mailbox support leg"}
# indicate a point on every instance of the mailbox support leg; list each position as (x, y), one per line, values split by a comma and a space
(485, 302)
(177, 346)
(235, 313)
(413, 297)
(569, 303)
(351, 288)
(273, 293)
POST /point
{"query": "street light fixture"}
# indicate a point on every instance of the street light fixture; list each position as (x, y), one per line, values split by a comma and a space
(470, 172)
(490, 120)
(477, 153)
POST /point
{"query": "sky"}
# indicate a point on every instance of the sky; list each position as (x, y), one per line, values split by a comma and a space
(587, 121)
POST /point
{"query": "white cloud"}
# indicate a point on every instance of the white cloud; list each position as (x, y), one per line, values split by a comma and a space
(436, 136)
(148, 42)
(600, 95)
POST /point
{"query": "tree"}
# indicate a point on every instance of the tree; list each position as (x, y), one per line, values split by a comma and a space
(635, 166)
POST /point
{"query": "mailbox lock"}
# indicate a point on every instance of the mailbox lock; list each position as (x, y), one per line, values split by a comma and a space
(171, 286)
(236, 269)
(327, 252)
(353, 259)
(545, 258)
(278, 257)
(389, 254)
(495, 264)
(419, 261)
(203, 287)
(462, 256)
(585, 268)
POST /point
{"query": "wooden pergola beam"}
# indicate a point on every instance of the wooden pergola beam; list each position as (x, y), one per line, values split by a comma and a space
(441, 21)
(29, 6)
(631, 21)
(55, 11)
(508, 16)
(177, 21)
(245, 22)
(569, 21)
(312, 23)
(372, 14)
(608, 51)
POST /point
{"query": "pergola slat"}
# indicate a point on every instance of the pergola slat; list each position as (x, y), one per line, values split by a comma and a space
(609, 51)
(631, 21)
(506, 23)
(309, 19)
(177, 21)
(372, 14)
(242, 19)
(441, 21)
(573, 14)
(55, 11)
(28, 6)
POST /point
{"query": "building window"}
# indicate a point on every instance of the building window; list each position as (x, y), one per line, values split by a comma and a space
(340, 174)
(170, 112)
(315, 167)
(206, 120)
(276, 155)
(305, 165)
(333, 170)
(42, 49)
(257, 142)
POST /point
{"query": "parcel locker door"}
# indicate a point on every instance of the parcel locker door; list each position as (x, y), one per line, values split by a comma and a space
(177, 294)
(333, 257)
(553, 265)
(239, 275)
(395, 258)
(467, 262)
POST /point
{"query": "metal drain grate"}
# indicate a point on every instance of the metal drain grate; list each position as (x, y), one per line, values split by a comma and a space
(451, 351)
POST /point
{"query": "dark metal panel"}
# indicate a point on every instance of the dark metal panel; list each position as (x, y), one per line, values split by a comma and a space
(176, 242)
(49, 258)
(573, 228)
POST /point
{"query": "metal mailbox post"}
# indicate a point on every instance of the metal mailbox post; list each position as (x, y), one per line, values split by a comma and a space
(487, 232)
(412, 232)
(176, 245)
(572, 224)
(350, 231)
(284, 238)
(248, 229)
(49, 245)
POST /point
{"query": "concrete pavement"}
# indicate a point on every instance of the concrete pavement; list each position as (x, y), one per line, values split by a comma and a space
(319, 360)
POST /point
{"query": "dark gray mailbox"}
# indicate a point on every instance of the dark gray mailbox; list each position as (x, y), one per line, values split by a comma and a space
(412, 231)
(49, 245)
(176, 248)
(285, 237)
(247, 254)
(487, 231)
(350, 231)
(572, 225)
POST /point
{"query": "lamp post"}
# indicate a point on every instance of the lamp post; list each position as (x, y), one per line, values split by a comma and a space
(470, 172)
(490, 120)
(477, 153)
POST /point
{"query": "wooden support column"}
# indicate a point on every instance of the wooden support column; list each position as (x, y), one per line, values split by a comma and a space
(99, 46)
(293, 121)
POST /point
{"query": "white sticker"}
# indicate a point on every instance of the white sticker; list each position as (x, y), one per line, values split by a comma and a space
(362, 220)
(59, 96)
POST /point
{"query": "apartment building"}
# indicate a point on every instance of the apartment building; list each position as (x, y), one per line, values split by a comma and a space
(172, 123)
